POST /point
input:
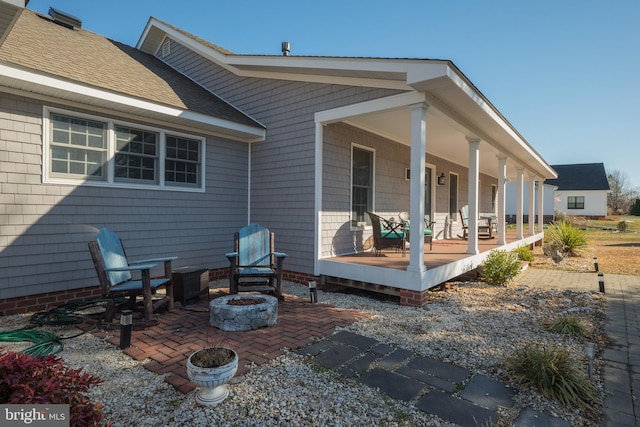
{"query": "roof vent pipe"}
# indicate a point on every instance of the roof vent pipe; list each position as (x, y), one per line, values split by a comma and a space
(286, 48)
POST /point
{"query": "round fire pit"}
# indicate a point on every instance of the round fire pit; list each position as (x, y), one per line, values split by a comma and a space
(243, 312)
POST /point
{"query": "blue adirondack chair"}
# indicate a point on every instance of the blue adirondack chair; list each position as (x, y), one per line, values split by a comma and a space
(254, 265)
(114, 273)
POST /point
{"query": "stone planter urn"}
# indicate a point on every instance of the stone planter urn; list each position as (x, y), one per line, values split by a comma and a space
(211, 369)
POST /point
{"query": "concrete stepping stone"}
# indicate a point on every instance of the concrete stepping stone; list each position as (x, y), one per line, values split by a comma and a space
(455, 410)
(436, 382)
(354, 340)
(394, 359)
(439, 369)
(392, 384)
(363, 363)
(529, 417)
(315, 348)
(382, 349)
(488, 392)
(336, 355)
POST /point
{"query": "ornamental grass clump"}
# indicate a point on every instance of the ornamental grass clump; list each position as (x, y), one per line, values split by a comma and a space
(566, 237)
(568, 324)
(500, 267)
(555, 374)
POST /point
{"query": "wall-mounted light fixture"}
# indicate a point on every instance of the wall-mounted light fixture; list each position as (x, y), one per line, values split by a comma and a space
(441, 179)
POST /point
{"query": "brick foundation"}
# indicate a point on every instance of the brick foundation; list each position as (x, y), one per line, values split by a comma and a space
(43, 302)
(413, 298)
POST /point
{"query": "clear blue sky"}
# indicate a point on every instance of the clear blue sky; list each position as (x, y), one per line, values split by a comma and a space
(565, 73)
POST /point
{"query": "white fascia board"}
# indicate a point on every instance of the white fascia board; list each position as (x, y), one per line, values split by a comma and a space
(235, 64)
(64, 86)
(497, 117)
(439, 76)
(383, 104)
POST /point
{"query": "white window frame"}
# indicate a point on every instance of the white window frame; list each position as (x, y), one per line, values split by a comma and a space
(361, 225)
(109, 167)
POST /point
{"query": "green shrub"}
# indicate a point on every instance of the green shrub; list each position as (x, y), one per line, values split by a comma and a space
(524, 253)
(568, 324)
(500, 267)
(565, 236)
(26, 379)
(555, 374)
(622, 226)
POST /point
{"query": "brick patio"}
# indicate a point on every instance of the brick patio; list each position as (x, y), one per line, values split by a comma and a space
(179, 333)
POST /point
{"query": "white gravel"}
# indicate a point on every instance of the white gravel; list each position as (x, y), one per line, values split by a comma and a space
(471, 325)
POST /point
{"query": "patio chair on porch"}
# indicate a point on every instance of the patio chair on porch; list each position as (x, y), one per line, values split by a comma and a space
(114, 273)
(428, 227)
(484, 230)
(255, 266)
(386, 234)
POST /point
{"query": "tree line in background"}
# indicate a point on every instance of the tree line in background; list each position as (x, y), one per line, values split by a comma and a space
(624, 198)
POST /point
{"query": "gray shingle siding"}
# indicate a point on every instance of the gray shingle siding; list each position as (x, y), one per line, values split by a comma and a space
(282, 187)
(45, 228)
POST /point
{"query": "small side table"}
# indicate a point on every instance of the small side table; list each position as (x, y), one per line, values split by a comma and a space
(189, 283)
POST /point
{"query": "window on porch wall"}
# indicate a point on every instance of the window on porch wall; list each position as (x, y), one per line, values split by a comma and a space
(361, 185)
(453, 196)
(494, 197)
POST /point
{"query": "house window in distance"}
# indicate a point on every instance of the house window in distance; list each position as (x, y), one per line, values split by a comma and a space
(361, 185)
(575, 202)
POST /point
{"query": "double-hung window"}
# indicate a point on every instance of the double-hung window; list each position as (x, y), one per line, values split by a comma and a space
(78, 148)
(575, 202)
(453, 196)
(97, 151)
(361, 184)
(136, 158)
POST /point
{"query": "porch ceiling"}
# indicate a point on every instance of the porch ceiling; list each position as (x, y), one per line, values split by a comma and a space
(446, 139)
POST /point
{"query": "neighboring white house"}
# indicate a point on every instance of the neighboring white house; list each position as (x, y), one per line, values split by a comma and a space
(581, 189)
(512, 202)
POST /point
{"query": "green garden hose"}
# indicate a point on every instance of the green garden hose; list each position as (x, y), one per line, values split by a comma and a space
(48, 342)
(44, 342)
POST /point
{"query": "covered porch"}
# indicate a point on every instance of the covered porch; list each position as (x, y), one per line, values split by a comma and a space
(388, 273)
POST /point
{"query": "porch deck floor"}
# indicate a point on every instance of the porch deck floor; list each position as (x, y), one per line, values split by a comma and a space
(444, 252)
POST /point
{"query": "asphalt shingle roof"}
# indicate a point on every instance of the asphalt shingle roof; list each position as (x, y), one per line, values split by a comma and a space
(585, 176)
(35, 42)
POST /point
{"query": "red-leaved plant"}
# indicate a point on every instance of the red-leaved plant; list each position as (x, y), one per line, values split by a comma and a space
(40, 380)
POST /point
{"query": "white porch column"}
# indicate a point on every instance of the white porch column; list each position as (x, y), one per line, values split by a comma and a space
(540, 206)
(416, 186)
(519, 203)
(502, 210)
(532, 205)
(474, 177)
